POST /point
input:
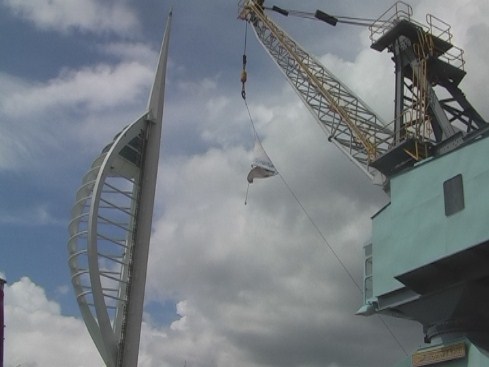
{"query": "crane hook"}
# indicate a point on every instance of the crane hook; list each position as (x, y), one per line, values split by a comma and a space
(244, 77)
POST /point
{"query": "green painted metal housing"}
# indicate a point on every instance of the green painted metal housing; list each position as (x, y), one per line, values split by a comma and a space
(414, 230)
(429, 255)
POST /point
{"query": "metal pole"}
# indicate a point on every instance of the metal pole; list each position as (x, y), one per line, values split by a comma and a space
(2, 325)
(145, 211)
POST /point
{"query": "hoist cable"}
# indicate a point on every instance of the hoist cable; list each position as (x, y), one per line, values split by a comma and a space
(255, 136)
(245, 38)
(320, 233)
(323, 237)
(244, 75)
(253, 129)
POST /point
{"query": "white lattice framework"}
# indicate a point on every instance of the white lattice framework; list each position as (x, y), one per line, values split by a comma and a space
(102, 237)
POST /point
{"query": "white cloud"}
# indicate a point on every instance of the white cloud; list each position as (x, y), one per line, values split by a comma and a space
(370, 78)
(36, 334)
(192, 340)
(130, 51)
(63, 290)
(83, 15)
(254, 285)
(91, 89)
(41, 117)
(259, 277)
(29, 297)
(33, 216)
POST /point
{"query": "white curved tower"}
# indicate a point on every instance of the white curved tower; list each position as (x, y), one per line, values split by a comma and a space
(110, 230)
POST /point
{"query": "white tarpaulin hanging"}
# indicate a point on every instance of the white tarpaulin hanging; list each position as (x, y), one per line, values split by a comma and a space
(261, 166)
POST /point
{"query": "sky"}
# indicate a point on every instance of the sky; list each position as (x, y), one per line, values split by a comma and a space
(228, 284)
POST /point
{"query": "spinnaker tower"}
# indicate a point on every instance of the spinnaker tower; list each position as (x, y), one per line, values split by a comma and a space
(110, 230)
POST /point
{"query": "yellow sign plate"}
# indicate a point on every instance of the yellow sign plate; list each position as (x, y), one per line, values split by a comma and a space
(431, 356)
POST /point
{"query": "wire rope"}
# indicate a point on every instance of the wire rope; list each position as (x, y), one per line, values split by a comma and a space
(322, 236)
(363, 22)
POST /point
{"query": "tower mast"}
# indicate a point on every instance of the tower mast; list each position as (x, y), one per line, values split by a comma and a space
(110, 230)
(149, 171)
(2, 326)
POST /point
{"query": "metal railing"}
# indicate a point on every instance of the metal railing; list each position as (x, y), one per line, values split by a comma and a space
(397, 12)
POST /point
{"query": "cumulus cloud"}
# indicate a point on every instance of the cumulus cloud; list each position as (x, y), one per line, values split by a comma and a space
(36, 333)
(69, 15)
(48, 114)
(38, 215)
(260, 277)
(130, 51)
(253, 285)
(90, 89)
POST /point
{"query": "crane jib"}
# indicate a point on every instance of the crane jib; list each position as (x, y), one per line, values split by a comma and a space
(348, 121)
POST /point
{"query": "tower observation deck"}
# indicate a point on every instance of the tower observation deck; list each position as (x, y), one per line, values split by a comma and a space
(110, 230)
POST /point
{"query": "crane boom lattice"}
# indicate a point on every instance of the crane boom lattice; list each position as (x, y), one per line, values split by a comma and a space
(349, 122)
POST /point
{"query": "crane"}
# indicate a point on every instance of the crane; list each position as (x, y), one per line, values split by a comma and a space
(427, 258)
(422, 121)
(349, 123)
